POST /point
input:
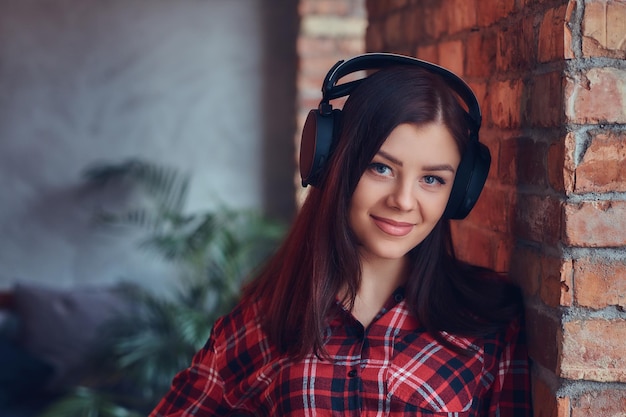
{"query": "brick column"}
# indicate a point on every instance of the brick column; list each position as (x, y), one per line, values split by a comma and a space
(551, 78)
(593, 275)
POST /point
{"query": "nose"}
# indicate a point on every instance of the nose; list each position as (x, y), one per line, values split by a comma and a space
(403, 196)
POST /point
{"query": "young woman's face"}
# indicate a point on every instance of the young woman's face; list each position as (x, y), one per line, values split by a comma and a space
(404, 191)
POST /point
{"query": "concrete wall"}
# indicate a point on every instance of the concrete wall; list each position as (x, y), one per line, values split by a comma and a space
(183, 83)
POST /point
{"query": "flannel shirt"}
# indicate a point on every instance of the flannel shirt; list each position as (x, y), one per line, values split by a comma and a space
(391, 368)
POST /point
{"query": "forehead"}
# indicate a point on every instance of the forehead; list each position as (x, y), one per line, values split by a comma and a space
(431, 143)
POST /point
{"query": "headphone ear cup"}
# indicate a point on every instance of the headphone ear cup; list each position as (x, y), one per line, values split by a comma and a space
(315, 145)
(469, 180)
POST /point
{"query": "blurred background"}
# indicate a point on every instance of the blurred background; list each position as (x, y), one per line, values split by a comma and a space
(206, 87)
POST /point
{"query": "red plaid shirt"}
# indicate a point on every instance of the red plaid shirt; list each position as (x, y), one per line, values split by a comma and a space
(391, 368)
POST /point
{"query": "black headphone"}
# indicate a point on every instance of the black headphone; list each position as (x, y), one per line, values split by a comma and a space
(321, 128)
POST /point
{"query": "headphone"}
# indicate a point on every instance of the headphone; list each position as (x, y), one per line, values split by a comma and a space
(321, 128)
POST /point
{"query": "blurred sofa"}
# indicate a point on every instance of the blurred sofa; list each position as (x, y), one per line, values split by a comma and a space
(47, 336)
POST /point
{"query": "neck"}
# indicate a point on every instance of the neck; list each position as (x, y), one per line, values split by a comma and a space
(384, 275)
(379, 279)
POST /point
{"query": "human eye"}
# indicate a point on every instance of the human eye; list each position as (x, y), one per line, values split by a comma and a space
(380, 169)
(434, 180)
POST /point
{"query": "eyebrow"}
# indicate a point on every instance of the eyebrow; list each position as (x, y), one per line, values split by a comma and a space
(440, 167)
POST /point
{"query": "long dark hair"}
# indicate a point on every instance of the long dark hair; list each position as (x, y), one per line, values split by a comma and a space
(298, 287)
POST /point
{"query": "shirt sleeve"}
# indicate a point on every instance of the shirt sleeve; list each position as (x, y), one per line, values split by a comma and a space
(197, 390)
(511, 396)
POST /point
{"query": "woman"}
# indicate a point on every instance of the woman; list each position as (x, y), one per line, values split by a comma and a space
(364, 309)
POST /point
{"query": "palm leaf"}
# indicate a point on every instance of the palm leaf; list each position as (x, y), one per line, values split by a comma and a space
(166, 186)
(219, 249)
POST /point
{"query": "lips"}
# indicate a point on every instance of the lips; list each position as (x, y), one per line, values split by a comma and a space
(392, 227)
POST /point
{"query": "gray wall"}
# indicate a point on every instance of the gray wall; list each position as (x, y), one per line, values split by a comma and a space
(207, 86)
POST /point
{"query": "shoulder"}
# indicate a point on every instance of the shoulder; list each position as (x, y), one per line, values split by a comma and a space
(239, 345)
(233, 328)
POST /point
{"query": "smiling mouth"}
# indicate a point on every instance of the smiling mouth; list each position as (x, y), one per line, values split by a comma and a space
(392, 227)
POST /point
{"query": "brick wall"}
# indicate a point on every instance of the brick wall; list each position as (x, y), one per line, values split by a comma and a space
(551, 79)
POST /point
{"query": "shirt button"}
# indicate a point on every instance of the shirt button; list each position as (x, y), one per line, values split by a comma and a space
(352, 373)
(398, 297)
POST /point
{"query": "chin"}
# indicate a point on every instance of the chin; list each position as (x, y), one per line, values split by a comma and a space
(388, 254)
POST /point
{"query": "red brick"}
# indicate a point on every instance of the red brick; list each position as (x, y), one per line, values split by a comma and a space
(481, 53)
(428, 53)
(402, 50)
(600, 283)
(504, 246)
(552, 35)
(515, 51)
(546, 403)
(309, 47)
(607, 403)
(506, 168)
(526, 269)
(603, 29)
(545, 105)
(563, 407)
(376, 8)
(374, 37)
(531, 162)
(567, 283)
(435, 22)
(538, 218)
(553, 284)
(544, 335)
(397, 4)
(595, 224)
(413, 25)
(474, 245)
(530, 3)
(569, 46)
(603, 165)
(594, 350)
(461, 15)
(569, 162)
(560, 178)
(490, 11)
(318, 66)
(598, 96)
(451, 56)
(543, 275)
(394, 30)
(309, 7)
(350, 46)
(505, 103)
(494, 208)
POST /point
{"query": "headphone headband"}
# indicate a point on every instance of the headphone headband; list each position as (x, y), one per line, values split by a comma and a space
(330, 89)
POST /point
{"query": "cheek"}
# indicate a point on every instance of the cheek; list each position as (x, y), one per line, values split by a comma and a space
(361, 199)
(437, 205)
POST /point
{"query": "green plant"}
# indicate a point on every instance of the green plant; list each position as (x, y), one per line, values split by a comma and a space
(216, 251)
